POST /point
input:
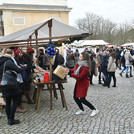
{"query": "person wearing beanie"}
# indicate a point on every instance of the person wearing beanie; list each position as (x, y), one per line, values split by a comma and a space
(30, 69)
(18, 54)
(10, 93)
(17, 51)
(30, 50)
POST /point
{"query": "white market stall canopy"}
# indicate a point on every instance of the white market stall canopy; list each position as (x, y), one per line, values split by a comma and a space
(128, 44)
(82, 43)
(42, 32)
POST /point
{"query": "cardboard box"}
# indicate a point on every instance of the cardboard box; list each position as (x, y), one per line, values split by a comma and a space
(60, 72)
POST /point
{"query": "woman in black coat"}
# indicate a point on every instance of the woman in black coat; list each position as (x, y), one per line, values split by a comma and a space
(104, 66)
(11, 95)
(93, 68)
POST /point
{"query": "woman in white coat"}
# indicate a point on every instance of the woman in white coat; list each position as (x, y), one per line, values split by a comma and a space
(128, 63)
(112, 68)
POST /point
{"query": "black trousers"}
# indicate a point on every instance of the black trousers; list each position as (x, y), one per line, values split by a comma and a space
(112, 74)
(99, 77)
(79, 102)
(11, 105)
(91, 78)
(21, 92)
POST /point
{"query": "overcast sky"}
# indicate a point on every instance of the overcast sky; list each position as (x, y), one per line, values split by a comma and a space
(117, 11)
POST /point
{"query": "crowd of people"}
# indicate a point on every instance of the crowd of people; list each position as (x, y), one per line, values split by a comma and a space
(108, 60)
(83, 67)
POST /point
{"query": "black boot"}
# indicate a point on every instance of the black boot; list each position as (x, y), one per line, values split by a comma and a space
(127, 76)
(120, 74)
(12, 122)
(131, 75)
(91, 82)
(99, 82)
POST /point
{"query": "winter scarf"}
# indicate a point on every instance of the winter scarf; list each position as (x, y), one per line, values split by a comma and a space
(80, 63)
(19, 77)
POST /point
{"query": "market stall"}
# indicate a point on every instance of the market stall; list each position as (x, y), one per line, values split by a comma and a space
(91, 44)
(128, 44)
(42, 34)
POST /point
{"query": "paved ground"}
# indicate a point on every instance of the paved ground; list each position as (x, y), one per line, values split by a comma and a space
(116, 116)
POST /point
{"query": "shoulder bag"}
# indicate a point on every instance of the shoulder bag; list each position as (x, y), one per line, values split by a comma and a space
(9, 79)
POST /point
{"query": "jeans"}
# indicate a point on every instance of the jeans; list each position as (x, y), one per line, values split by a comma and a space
(127, 67)
(124, 68)
(106, 77)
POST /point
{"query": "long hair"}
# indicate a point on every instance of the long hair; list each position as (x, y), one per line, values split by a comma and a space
(87, 58)
(113, 54)
(8, 51)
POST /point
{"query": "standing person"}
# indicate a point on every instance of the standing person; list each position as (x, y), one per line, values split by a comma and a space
(59, 59)
(123, 62)
(81, 74)
(92, 55)
(117, 58)
(11, 95)
(99, 59)
(128, 63)
(46, 61)
(112, 68)
(120, 51)
(104, 68)
(28, 60)
(18, 53)
(70, 61)
(41, 54)
(76, 55)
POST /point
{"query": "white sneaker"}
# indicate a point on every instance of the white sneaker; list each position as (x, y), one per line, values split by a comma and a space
(94, 112)
(80, 112)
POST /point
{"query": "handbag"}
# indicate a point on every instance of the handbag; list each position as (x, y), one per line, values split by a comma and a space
(131, 59)
(9, 79)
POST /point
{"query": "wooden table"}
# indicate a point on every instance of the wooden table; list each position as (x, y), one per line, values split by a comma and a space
(51, 86)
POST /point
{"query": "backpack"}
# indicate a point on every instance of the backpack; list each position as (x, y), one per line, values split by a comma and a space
(123, 59)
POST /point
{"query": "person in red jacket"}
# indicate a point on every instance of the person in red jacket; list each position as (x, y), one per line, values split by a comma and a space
(81, 74)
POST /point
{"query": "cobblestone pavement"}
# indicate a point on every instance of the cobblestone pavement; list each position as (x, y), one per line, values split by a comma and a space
(116, 116)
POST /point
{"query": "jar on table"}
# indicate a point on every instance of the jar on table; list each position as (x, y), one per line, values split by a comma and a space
(46, 77)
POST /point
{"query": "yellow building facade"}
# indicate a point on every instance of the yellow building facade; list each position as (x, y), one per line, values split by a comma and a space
(20, 14)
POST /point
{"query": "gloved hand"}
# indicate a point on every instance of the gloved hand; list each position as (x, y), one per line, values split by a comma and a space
(69, 73)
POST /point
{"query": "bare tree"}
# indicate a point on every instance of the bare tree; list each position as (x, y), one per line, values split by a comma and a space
(106, 29)
(123, 34)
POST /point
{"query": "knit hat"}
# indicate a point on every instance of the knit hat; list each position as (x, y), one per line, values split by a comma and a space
(17, 51)
(30, 50)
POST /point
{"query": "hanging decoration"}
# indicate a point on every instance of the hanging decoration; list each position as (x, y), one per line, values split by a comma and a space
(50, 49)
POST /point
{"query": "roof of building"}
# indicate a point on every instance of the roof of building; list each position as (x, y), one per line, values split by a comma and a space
(59, 31)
